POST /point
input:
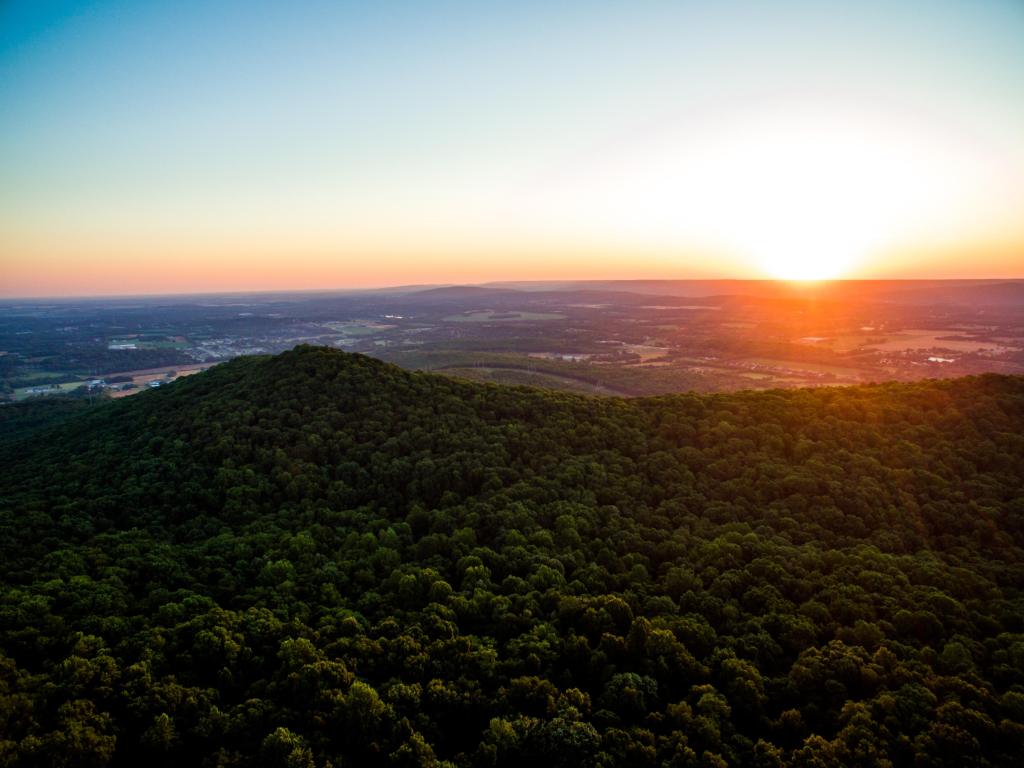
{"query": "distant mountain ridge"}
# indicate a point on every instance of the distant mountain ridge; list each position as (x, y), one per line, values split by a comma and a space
(914, 291)
(898, 291)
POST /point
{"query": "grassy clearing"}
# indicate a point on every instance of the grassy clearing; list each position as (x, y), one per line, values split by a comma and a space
(800, 365)
(24, 393)
(359, 329)
(494, 316)
(932, 339)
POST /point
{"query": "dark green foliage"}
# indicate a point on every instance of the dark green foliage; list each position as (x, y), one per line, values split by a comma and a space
(20, 421)
(319, 559)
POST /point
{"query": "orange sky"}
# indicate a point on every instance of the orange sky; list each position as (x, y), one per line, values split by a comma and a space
(201, 147)
(170, 271)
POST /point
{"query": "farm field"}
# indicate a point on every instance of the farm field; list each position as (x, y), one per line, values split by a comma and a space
(933, 339)
(493, 316)
(800, 365)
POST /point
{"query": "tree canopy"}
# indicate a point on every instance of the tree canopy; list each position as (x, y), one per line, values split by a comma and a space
(319, 559)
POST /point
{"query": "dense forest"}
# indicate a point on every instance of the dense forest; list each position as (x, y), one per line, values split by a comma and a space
(320, 559)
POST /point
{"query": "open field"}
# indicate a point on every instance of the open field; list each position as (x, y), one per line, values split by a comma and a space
(24, 393)
(933, 339)
(141, 379)
(36, 376)
(645, 351)
(800, 365)
(358, 329)
(493, 316)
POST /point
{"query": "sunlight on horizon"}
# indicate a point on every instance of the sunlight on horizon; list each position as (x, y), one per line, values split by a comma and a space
(795, 191)
(816, 195)
(207, 147)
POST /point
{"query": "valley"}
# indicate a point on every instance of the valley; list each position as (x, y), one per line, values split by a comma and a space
(623, 338)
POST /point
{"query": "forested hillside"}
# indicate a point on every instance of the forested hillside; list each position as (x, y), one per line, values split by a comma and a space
(319, 559)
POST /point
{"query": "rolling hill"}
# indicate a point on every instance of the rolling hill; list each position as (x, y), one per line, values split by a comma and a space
(319, 559)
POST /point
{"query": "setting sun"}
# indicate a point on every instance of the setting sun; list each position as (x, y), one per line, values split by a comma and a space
(799, 190)
(688, 140)
(812, 194)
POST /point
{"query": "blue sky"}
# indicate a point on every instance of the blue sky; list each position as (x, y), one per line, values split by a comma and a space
(421, 131)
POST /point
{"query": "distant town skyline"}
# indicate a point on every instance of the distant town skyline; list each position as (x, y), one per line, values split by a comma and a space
(195, 147)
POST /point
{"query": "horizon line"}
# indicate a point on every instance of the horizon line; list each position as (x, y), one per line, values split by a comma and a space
(416, 287)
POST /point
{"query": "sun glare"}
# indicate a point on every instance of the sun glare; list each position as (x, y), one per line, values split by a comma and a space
(792, 193)
(812, 196)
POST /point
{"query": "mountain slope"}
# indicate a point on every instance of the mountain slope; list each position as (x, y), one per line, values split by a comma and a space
(320, 557)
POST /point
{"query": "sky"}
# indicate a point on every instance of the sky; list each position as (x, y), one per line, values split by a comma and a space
(167, 147)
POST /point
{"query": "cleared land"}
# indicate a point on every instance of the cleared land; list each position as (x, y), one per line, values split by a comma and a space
(800, 365)
(494, 316)
(933, 339)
